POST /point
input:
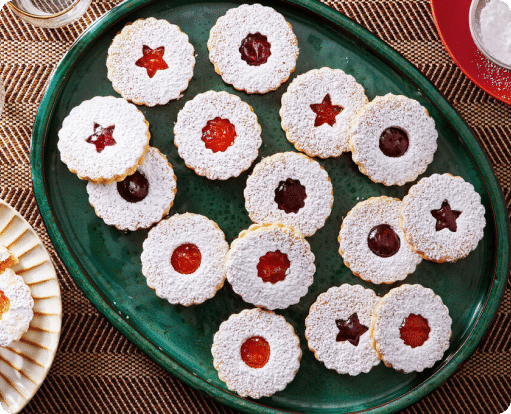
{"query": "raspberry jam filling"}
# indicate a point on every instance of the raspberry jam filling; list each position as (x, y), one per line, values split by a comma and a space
(5, 303)
(290, 196)
(383, 241)
(350, 330)
(133, 188)
(102, 137)
(255, 352)
(272, 267)
(186, 259)
(218, 134)
(255, 49)
(414, 330)
(445, 217)
(394, 142)
(152, 60)
(326, 112)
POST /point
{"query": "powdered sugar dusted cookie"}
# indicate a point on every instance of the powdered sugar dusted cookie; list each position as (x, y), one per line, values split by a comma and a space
(443, 218)
(411, 328)
(318, 110)
(7, 259)
(150, 62)
(292, 189)
(256, 353)
(337, 329)
(270, 265)
(217, 135)
(393, 140)
(253, 48)
(104, 139)
(372, 243)
(183, 259)
(141, 199)
(16, 307)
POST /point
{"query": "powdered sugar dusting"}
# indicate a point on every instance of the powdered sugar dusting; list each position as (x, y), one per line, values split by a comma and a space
(7, 258)
(285, 353)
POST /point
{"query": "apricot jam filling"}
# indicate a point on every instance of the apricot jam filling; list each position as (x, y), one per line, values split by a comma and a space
(272, 267)
(186, 259)
(218, 134)
(5, 304)
(255, 352)
(152, 60)
(414, 330)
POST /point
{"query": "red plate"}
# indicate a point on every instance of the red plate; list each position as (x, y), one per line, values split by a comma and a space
(451, 19)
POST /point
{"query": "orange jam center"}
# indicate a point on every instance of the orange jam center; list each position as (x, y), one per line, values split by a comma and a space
(5, 303)
(152, 60)
(414, 330)
(186, 259)
(218, 134)
(255, 352)
(326, 112)
(272, 267)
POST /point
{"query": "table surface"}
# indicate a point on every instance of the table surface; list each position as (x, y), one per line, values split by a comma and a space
(96, 369)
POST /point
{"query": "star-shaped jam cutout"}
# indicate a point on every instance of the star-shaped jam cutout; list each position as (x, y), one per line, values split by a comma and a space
(445, 217)
(350, 330)
(152, 60)
(326, 112)
(102, 137)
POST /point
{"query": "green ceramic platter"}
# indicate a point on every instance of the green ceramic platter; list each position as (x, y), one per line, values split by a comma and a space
(105, 262)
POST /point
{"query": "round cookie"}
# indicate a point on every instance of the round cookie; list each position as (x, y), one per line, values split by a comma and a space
(270, 265)
(256, 353)
(411, 328)
(253, 48)
(183, 259)
(217, 135)
(372, 244)
(292, 189)
(16, 307)
(393, 140)
(443, 218)
(318, 110)
(141, 199)
(150, 62)
(104, 139)
(337, 329)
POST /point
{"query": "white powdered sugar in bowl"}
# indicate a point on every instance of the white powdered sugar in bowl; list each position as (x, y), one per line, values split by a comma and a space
(495, 23)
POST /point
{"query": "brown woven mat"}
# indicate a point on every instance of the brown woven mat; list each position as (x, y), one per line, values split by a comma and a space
(97, 370)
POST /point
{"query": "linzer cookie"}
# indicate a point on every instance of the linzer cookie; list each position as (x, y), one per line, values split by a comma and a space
(318, 110)
(337, 329)
(442, 218)
(372, 243)
(16, 307)
(393, 140)
(270, 265)
(411, 328)
(7, 259)
(104, 139)
(256, 353)
(292, 189)
(253, 48)
(150, 62)
(141, 199)
(183, 259)
(217, 135)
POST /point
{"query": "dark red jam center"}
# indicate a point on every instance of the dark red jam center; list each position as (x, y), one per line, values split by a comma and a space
(218, 134)
(255, 49)
(350, 330)
(383, 241)
(272, 267)
(186, 259)
(290, 196)
(255, 352)
(152, 60)
(326, 112)
(102, 137)
(414, 330)
(394, 142)
(5, 303)
(133, 188)
(445, 217)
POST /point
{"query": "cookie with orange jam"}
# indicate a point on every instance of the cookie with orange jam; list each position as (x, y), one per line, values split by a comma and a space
(411, 328)
(183, 259)
(217, 135)
(7, 259)
(256, 353)
(270, 265)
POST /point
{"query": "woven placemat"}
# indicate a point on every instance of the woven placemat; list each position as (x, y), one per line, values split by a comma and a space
(97, 370)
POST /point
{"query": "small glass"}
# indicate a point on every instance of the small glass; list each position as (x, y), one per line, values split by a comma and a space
(49, 13)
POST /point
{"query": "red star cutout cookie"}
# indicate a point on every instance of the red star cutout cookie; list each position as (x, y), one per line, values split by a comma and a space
(350, 330)
(152, 60)
(326, 112)
(102, 137)
(445, 217)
